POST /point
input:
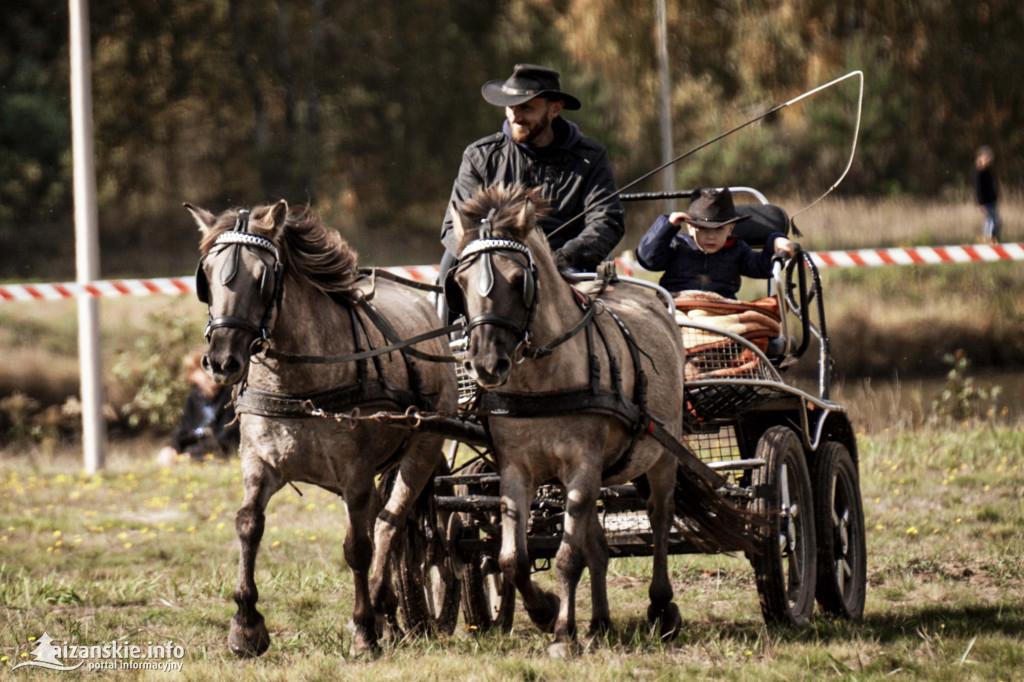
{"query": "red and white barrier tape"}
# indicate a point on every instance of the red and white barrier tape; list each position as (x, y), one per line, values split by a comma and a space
(922, 255)
(144, 287)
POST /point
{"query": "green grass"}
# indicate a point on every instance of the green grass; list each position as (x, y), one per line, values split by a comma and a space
(141, 555)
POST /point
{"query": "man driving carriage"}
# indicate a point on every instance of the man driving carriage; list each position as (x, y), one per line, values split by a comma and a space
(537, 147)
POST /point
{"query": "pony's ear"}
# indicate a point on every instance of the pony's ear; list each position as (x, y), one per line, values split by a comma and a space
(524, 221)
(272, 219)
(204, 219)
(278, 214)
(457, 225)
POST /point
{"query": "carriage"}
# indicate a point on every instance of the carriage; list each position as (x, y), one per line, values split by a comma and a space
(776, 447)
(760, 465)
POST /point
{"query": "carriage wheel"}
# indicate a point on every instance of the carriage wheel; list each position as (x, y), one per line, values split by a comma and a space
(426, 576)
(785, 565)
(488, 601)
(839, 512)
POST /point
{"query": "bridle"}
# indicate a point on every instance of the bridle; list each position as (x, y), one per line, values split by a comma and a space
(235, 239)
(483, 249)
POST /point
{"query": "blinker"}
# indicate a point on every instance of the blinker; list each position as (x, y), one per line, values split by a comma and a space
(485, 282)
(230, 267)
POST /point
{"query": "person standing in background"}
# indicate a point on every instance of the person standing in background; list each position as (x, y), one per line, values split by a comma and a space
(986, 193)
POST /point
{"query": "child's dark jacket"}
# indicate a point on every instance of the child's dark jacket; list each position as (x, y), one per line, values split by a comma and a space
(687, 267)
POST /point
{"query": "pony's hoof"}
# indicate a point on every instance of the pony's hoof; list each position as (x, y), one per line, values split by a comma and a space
(545, 616)
(389, 630)
(599, 628)
(248, 641)
(364, 644)
(667, 619)
(564, 650)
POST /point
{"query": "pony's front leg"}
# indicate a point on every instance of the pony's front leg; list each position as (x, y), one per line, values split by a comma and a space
(360, 505)
(409, 482)
(597, 564)
(514, 560)
(580, 514)
(248, 635)
(660, 508)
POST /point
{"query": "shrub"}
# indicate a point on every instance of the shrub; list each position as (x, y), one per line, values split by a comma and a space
(961, 400)
(150, 371)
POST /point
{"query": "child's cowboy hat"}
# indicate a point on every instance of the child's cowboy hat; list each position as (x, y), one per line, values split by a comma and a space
(712, 208)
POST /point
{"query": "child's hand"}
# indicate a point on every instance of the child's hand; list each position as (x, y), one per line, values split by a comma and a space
(677, 218)
(783, 245)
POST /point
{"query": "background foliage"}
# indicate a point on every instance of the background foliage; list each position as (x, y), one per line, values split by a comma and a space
(363, 107)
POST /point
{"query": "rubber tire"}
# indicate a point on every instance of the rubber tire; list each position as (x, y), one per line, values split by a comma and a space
(426, 577)
(488, 601)
(785, 566)
(839, 513)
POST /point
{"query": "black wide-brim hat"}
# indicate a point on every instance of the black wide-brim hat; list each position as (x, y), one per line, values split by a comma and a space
(712, 208)
(526, 82)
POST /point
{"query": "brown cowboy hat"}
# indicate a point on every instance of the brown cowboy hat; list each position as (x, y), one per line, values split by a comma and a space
(712, 208)
(526, 82)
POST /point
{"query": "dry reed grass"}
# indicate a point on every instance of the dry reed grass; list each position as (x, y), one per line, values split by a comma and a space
(861, 223)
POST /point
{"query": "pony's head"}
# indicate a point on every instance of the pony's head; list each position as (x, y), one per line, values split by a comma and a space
(241, 275)
(494, 284)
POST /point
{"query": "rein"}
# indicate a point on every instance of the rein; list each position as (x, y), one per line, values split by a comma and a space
(384, 326)
(240, 236)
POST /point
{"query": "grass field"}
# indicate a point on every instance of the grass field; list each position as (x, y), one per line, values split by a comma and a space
(147, 556)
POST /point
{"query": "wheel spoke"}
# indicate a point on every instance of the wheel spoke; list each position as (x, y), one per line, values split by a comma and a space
(843, 574)
(844, 532)
(796, 576)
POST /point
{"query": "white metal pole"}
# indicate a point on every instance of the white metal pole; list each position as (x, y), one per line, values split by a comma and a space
(668, 179)
(87, 250)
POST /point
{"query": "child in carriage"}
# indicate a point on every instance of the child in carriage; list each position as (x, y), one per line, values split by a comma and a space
(704, 270)
(707, 258)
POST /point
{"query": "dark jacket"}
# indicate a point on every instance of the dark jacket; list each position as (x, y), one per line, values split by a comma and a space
(207, 425)
(687, 267)
(574, 174)
(986, 189)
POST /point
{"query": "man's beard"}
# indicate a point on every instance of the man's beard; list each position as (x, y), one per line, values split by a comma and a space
(525, 135)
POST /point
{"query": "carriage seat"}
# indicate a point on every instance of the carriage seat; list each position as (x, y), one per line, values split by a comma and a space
(764, 219)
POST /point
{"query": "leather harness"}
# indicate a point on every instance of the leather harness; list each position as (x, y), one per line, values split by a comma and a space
(631, 411)
(373, 392)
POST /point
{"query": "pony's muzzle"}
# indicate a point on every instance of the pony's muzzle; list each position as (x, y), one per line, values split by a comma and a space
(223, 368)
(489, 375)
(489, 359)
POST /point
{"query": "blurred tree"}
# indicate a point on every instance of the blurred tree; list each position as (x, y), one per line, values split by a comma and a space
(35, 158)
(363, 107)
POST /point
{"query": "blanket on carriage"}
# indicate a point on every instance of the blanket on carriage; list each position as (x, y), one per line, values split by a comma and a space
(709, 355)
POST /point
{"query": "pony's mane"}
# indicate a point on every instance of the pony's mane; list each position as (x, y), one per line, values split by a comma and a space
(309, 250)
(507, 200)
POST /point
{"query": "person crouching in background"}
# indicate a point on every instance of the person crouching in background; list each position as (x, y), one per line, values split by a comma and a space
(207, 425)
